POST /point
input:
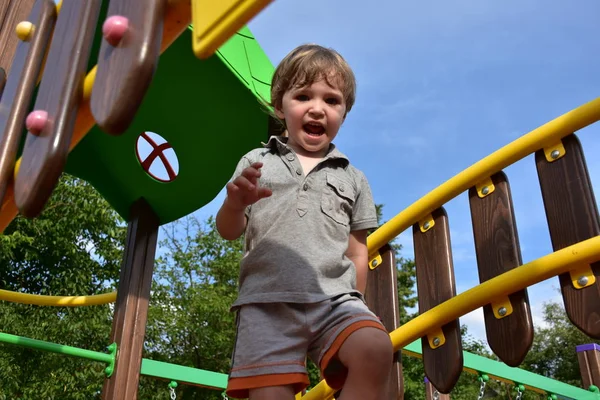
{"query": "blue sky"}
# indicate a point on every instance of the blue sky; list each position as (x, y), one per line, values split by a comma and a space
(442, 85)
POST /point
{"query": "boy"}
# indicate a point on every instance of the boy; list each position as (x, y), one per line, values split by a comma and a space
(305, 212)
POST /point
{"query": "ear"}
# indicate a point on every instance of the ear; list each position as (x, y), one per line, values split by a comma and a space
(279, 114)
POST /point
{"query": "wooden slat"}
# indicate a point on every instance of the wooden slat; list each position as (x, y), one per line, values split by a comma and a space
(588, 356)
(131, 308)
(436, 284)
(125, 71)
(572, 216)
(11, 13)
(60, 94)
(2, 85)
(382, 298)
(20, 86)
(498, 251)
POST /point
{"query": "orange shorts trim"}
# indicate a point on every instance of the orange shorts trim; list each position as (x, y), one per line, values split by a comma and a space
(239, 388)
(336, 380)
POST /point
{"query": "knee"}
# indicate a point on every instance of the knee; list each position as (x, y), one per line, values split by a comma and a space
(374, 353)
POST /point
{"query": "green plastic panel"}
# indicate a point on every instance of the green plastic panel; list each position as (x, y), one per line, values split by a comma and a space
(181, 374)
(495, 369)
(207, 110)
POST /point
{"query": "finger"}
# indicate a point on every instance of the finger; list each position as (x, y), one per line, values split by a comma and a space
(264, 192)
(244, 183)
(251, 174)
(256, 165)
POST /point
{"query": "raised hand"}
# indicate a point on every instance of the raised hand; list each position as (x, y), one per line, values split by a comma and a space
(245, 190)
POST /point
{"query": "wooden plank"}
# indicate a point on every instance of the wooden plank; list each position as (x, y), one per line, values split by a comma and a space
(588, 356)
(60, 93)
(572, 216)
(436, 284)
(18, 93)
(11, 13)
(2, 85)
(128, 57)
(131, 308)
(382, 298)
(498, 251)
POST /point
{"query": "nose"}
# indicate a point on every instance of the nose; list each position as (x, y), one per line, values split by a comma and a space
(316, 109)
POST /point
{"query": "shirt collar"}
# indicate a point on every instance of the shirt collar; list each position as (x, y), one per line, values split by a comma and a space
(279, 143)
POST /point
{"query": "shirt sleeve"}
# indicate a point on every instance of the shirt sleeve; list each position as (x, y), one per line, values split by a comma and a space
(364, 215)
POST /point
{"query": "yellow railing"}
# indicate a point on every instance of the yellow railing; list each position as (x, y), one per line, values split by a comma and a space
(546, 135)
(509, 282)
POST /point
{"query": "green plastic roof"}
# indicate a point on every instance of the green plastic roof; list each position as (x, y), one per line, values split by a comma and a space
(208, 110)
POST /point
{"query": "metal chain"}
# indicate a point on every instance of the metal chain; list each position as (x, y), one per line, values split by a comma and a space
(436, 395)
(224, 396)
(519, 393)
(173, 394)
(481, 390)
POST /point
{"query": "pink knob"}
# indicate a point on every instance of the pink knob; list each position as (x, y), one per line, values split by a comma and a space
(36, 121)
(114, 29)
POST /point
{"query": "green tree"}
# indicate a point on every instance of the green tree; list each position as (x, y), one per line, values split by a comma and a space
(189, 322)
(553, 353)
(74, 247)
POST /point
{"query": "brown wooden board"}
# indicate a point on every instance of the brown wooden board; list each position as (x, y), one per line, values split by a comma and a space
(498, 251)
(125, 71)
(20, 87)
(11, 13)
(382, 298)
(588, 356)
(2, 85)
(60, 93)
(131, 307)
(572, 216)
(436, 284)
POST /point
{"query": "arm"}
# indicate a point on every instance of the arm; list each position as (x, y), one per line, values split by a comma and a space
(358, 253)
(241, 192)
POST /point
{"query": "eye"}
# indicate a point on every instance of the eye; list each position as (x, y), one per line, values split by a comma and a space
(333, 100)
(302, 97)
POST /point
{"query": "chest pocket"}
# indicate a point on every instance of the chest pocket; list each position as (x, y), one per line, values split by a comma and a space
(337, 200)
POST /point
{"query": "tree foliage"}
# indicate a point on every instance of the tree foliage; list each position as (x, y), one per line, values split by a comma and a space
(73, 248)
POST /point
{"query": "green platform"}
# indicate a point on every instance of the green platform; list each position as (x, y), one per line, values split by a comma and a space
(208, 110)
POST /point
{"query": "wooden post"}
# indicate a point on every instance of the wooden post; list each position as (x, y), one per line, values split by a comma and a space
(382, 298)
(588, 356)
(131, 309)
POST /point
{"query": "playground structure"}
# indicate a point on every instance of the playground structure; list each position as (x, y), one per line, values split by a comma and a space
(85, 86)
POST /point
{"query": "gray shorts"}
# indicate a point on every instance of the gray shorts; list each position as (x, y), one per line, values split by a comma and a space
(274, 339)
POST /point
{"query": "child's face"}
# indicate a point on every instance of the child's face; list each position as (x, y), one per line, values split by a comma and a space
(313, 115)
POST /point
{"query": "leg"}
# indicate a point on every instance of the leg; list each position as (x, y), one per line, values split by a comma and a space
(273, 393)
(269, 354)
(352, 348)
(368, 355)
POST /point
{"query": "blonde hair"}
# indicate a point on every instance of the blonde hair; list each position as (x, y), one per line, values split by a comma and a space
(309, 63)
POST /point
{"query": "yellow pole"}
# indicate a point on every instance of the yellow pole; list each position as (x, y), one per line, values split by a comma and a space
(559, 262)
(541, 137)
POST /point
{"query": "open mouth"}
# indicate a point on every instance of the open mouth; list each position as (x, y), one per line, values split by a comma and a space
(314, 129)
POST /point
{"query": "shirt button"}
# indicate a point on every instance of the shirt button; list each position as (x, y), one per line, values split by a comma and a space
(305, 187)
(298, 171)
(341, 188)
(290, 157)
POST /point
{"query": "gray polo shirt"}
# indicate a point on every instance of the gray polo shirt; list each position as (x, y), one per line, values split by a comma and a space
(295, 240)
